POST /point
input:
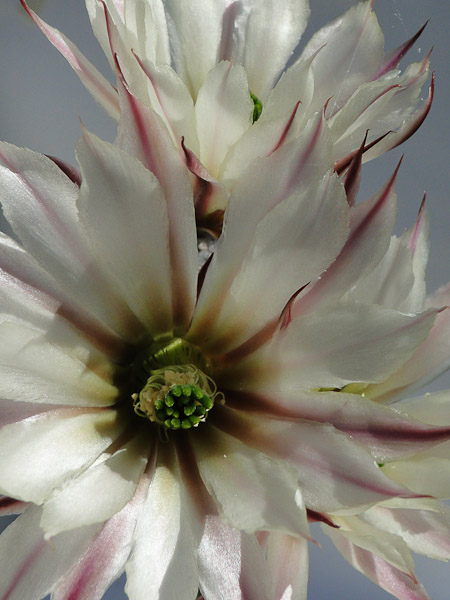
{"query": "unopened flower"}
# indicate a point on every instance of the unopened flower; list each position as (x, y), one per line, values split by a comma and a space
(185, 426)
(211, 75)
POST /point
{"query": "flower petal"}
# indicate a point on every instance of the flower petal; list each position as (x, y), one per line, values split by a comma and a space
(378, 570)
(98, 493)
(425, 532)
(39, 201)
(344, 343)
(262, 48)
(269, 497)
(106, 555)
(95, 83)
(143, 135)
(351, 53)
(30, 468)
(276, 271)
(34, 567)
(335, 473)
(288, 172)
(287, 559)
(167, 537)
(371, 224)
(124, 213)
(231, 564)
(389, 434)
(35, 370)
(224, 111)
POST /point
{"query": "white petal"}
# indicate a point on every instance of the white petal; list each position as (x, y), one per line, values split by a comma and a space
(267, 48)
(167, 537)
(125, 216)
(194, 29)
(287, 559)
(371, 224)
(429, 360)
(351, 52)
(39, 201)
(223, 111)
(41, 452)
(378, 570)
(388, 433)
(269, 497)
(345, 343)
(291, 170)
(231, 564)
(388, 546)
(425, 532)
(335, 473)
(379, 106)
(94, 81)
(390, 283)
(98, 493)
(170, 99)
(276, 271)
(32, 369)
(143, 135)
(33, 568)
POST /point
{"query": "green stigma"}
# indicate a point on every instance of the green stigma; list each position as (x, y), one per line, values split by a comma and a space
(257, 109)
(175, 391)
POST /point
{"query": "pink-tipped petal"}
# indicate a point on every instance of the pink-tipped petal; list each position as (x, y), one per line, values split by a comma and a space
(94, 81)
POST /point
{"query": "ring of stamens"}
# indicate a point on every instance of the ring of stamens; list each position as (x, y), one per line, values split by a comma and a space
(174, 396)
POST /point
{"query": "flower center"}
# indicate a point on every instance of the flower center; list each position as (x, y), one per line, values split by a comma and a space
(175, 392)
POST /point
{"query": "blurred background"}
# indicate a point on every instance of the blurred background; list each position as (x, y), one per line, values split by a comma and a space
(41, 100)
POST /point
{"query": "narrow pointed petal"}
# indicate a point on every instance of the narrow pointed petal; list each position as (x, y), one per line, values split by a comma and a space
(120, 201)
(378, 570)
(269, 497)
(167, 537)
(429, 360)
(300, 221)
(391, 59)
(335, 473)
(231, 564)
(288, 172)
(11, 506)
(170, 99)
(287, 559)
(39, 202)
(381, 106)
(142, 134)
(385, 545)
(96, 84)
(30, 468)
(34, 567)
(223, 111)
(389, 434)
(425, 532)
(409, 127)
(371, 224)
(351, 52)
(344, 343)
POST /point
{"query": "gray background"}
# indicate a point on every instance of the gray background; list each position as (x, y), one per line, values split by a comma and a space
(41, 100)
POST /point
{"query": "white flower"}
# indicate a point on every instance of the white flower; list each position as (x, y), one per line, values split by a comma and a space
(307, 318)
(194, 65)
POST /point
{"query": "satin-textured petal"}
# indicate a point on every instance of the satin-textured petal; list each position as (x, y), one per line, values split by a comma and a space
(335, 473)
(29, 465)
(269, 497)
(98, 493)
(31, 566)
